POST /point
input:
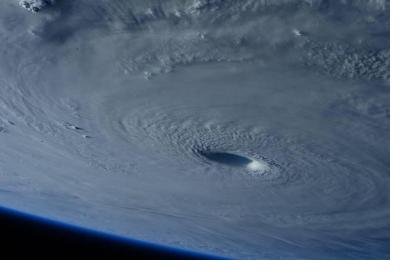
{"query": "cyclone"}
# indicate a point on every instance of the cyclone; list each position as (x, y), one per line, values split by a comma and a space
(247, 129)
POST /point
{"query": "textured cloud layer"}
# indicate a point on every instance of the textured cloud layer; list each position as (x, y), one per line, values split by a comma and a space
(251, 129)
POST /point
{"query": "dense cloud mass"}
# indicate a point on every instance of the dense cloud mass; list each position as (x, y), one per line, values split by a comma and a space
(244, 128)
(35, 5)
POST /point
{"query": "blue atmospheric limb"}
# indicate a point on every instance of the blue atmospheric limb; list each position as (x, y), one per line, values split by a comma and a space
(26, 236)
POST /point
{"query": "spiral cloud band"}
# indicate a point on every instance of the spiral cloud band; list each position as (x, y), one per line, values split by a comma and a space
(246, 129)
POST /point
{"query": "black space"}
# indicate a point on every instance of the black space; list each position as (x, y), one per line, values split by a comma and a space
(24, 237)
